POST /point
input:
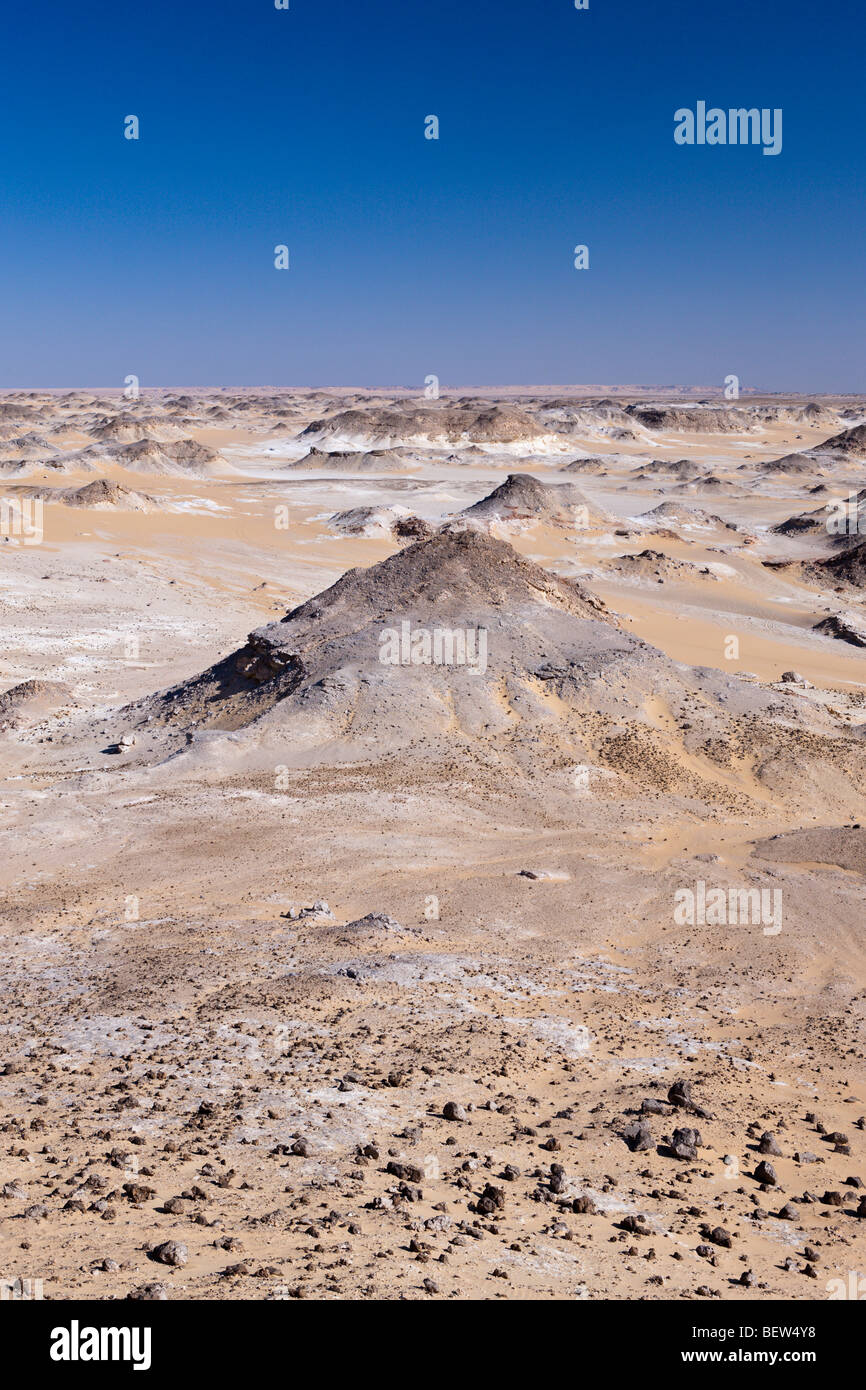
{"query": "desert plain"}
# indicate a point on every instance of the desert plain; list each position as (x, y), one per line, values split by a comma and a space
(433, 844)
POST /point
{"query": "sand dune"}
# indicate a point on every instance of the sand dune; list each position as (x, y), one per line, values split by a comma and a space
(522, 498)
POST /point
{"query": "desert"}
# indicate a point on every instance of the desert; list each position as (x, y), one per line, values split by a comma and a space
(336, 967)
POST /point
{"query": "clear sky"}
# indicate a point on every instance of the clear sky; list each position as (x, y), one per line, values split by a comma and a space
(410, 256)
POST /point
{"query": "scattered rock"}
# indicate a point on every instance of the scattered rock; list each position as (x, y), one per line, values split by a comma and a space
(171, 1252)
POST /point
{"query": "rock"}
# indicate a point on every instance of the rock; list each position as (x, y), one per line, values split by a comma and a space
(638, 1137)
(832, 1199)
(788, 1212)
(766, 1173)
(804, 1156)
(719, 1236)
(861, 1210)
(171, 1252)
(301, 1148)
(138, 1191)
(452, 1110)
(585, 1206)
(768, 1145)
(650, 1106)
(149, 1293)
(680, 1093)
(635, 1225)
(409, 1172)
(375, 922)
(437, 1224)
(685, 1143)
(492, 1199)
(319, 909)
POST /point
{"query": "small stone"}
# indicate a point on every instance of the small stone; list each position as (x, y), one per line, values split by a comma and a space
(138, 1191)
(171, 1252)
(409, 1172)
(719, 1236)
(492, 1199)
(768, 1145)
(766, 1173)
(635, 1225)
(585, 1206)
(680, 1093)
(650, 1106)
(685, 1143)
(638, 1137)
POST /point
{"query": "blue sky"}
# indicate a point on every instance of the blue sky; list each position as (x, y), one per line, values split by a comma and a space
(410, 256)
